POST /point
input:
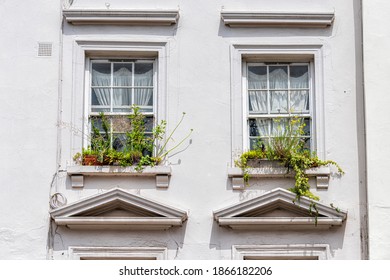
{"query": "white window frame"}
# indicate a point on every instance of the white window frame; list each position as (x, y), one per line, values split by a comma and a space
(247, 115)
(121, 253)
(91, 60)
(277, 53)
(281, 252)
(88, 48)
(88, 95)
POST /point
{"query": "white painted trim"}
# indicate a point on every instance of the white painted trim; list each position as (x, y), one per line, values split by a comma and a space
(123, 253)
(277, 19)
(121, 223)
(280, 252)
(121, 17)
(86, 213)
(295, 52)
(280, 223)
(84, 47)
(248, 214)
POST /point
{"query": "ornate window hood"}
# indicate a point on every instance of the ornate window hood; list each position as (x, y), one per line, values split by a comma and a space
(121, 17)
(118, 209)
(277, 19)
(275, 210)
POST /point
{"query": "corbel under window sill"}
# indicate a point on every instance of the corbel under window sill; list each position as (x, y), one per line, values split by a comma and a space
(237, 174)
(77, 173)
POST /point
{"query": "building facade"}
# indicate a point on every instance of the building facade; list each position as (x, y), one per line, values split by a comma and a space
(235, 68)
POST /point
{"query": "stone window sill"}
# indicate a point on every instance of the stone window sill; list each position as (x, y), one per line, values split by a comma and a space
(320, 173)
(77, 173)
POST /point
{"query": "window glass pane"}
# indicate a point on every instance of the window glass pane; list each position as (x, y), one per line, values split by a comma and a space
(259, 127)
(278, 78)
(278, 126)
(257, 77)
(100, 100)
(122, 99)
(143, 75)
(256, 143)
(143, 97)
(257, 102)
(299, 77)
(97, 122)
(278, 100)
(123, 74)
(299, 101)
(118, 141)
(101, 74)
(149, 124)
(120, 124)
(307, 127)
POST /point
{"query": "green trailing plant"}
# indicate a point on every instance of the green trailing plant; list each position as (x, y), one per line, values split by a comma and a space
(288, 147)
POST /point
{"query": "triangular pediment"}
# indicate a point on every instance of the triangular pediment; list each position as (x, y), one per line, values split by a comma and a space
(279, 209)
(118, 209)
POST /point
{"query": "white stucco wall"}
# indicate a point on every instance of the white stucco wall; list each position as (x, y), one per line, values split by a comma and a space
(199, 83)
(376, 72)
(28, 115)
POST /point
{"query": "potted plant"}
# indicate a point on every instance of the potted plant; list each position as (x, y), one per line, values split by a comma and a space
(286, 149)
(139, 148)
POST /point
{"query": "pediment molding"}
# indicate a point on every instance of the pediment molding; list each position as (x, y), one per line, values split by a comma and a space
(118, 209)
(252, 214)
(277, 19)
(121, 17)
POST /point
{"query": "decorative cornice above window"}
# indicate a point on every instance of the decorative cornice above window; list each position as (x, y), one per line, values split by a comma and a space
(277, 19)
(118, 209)
(275, 210)
(121, 17)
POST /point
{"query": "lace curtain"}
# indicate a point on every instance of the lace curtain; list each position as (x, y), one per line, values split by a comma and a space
(278, 89)
(122, 82)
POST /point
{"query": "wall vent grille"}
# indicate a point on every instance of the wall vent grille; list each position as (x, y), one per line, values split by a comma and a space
(45, 49)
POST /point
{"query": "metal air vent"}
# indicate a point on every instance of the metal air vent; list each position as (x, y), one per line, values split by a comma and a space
(45, 49)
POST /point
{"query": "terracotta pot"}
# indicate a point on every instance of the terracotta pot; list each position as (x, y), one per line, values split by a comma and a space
(91, 160)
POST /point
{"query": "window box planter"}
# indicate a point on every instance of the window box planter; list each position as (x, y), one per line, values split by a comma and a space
(273, 169)
(77, 173)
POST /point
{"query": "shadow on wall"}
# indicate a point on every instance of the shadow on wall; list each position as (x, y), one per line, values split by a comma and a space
(109, 30)
(275, 32)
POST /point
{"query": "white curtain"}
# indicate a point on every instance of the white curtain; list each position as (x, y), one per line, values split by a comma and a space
(278, 79)
(262, 126)
(257, 79)
(101, 80)
(143, 96)
(278, 85)
(299, 79)
(122, 96)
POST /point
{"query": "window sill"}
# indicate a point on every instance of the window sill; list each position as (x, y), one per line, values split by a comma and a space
(77, 173)
(321, 173)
